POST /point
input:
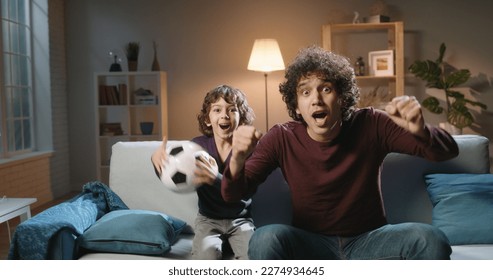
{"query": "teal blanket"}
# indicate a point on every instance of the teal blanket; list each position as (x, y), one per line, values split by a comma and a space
(31, 238)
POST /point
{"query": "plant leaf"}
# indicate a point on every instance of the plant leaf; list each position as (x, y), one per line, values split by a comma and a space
(459, 97)
(437, 75)
(457, 78)
(442, 50)
(433, 105)
(459, 115)
(428, 71)
(476, 103)
(454, 94)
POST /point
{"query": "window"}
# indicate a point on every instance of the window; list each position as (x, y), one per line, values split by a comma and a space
(16, 91)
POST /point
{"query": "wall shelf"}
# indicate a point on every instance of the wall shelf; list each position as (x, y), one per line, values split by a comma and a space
(394, 41)
(118, 117)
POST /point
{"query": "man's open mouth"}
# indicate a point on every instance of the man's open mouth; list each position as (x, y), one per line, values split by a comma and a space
(320, 115)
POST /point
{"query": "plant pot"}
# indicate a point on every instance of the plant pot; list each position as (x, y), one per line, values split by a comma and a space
(146, 128)
(132, 65)
(450, 128)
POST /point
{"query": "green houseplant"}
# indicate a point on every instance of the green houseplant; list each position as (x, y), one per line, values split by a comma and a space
(438, 74)
(132, 52)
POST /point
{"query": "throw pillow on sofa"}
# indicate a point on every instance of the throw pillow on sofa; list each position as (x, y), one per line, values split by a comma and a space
(462, 206)
(178, 225)
(132, 232)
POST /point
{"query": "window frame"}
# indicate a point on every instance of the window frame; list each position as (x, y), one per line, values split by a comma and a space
(9, 138)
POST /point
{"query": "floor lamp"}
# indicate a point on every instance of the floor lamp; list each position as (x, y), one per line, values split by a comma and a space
(266, 57)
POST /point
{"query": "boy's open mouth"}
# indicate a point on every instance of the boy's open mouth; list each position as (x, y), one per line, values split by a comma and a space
(225, 126)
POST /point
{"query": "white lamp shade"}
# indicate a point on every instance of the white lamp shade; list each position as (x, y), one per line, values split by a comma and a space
(266, 56)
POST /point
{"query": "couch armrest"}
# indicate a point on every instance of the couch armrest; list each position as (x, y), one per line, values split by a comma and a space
(62, 245)
(33, 237)
(402, 182)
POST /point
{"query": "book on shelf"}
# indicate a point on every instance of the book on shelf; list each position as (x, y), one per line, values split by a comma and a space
(110, 129)
(122, 89)
(112, 94)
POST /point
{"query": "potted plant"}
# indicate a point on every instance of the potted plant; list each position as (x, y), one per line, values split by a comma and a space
(132, 52)
(440, 75)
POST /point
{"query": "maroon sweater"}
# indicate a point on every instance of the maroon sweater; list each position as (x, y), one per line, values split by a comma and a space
(335, 187)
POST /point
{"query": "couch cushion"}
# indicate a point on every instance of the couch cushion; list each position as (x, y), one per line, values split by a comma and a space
(132, 232)
(472, 252)
(181, 250)
(462, 206)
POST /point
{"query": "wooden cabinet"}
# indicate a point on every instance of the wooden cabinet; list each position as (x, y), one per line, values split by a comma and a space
(130, 106)
(353, 40)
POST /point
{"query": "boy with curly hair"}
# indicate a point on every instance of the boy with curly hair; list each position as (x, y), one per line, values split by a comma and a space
(331, 155)
(218, 222)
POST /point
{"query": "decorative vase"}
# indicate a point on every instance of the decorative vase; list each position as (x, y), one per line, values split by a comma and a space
(155, 63)
(132, 65)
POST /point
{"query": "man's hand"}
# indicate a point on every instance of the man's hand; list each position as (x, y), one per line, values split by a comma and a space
(245, 139)
(159, 156)
(406, 112)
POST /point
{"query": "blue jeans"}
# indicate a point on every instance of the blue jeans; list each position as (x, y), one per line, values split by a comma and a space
(399, 241)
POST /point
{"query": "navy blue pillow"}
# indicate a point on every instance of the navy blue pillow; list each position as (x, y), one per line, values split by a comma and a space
(132, 232)
(462, 206)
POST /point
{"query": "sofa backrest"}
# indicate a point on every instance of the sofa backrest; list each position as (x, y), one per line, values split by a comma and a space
(402, 182)
(132, 177)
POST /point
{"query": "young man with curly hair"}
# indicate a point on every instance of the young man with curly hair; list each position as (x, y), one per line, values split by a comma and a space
(218, 222)
(330, 156)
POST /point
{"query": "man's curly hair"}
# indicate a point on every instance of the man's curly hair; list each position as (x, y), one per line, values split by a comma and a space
(232, 96)
(330, 67)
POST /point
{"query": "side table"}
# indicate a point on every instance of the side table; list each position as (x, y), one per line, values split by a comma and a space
(15, 207)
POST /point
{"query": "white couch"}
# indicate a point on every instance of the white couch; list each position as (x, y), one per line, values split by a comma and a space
(404, 192)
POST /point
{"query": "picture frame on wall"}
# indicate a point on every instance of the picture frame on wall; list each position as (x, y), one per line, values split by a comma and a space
(381, 63)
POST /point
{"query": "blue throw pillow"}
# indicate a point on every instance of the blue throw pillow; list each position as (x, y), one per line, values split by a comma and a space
(178, 225)
(132, 232)
(462, 206)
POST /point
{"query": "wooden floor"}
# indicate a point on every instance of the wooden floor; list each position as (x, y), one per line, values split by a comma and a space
(4, 233)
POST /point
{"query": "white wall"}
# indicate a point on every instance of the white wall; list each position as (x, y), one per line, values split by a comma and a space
(205, 43)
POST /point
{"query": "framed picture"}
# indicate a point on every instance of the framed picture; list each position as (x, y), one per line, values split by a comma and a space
(381, 63)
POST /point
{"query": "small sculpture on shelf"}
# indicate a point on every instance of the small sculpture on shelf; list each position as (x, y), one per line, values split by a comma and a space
(115, 66)
(356, 17)
(359, 67)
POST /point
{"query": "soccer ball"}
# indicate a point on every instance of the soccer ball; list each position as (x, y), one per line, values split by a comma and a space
(178, 170)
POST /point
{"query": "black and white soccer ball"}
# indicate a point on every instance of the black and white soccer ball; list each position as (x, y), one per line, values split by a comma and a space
(179, 168)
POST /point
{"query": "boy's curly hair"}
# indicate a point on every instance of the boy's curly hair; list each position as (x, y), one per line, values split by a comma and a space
(329, 66)
(232, 96)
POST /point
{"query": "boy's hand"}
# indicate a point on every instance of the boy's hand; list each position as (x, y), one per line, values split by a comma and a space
(406, 112)
(159, 156)
(206, 171)
(245, 139)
